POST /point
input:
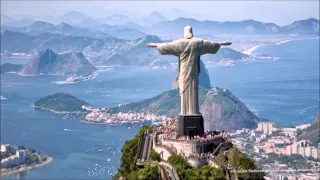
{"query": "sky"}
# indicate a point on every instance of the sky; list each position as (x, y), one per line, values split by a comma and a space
(280, 12)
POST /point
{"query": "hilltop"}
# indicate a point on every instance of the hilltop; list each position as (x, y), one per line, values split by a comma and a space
(180, 167)
(219, 107)
(61, 103)
(49, 62)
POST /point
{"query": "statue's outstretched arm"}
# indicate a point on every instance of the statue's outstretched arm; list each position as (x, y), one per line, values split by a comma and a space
(225, 43)
(171, 48)
(152, 45)
(211, 47)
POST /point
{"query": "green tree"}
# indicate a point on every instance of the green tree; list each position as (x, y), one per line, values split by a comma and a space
(129, 153)
(299, 132)
(154, 155)
(176, 160)
(241, 161)
(133, 175)
(149, 172)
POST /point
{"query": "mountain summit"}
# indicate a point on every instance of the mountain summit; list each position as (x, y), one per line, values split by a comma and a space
(49, 62)
(153, 18)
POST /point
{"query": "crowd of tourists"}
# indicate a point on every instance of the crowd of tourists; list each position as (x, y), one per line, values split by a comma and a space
(169, 132)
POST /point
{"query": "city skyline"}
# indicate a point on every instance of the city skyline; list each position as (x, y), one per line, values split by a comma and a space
(222, 11)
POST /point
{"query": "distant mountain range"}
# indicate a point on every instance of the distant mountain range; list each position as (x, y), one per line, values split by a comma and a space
(101, 51)
(124, 44)
(49, 62)
(156, 24)
(97, 30)
(302, 27)
(153, 18)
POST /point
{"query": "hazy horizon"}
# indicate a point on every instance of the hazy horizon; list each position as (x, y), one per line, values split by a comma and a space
(281, 13)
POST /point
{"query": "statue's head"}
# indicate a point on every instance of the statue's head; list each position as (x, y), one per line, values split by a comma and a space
(188, 32)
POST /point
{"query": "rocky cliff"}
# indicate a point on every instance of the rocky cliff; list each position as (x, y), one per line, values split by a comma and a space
(222, 110)
(49, 62)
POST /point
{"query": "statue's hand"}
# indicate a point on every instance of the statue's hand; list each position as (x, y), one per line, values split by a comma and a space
(152, 45)
(225, 43)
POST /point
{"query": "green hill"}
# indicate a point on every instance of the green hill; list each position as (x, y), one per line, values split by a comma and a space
(219, 107)
(61, 103)
(312, 133)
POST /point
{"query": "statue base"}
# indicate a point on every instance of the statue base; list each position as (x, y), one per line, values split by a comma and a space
(190, 125)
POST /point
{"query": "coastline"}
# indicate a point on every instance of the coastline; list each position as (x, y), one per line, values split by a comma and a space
(59, 112)
(8, 173)
(100, 123)
(88, 122)
(252, 49)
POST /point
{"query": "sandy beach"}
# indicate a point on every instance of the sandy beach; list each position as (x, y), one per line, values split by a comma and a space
(252, 49)
(11, 172)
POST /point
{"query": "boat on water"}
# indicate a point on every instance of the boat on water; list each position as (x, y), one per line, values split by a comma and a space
(99, 150)
(81, 78)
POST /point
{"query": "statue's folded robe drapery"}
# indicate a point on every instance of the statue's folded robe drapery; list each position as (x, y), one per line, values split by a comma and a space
(189, 52)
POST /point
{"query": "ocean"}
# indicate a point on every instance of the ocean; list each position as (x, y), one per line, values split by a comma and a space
(285, 91)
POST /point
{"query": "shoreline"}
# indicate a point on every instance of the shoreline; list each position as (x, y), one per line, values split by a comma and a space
(252, 49)
(102, 123)
(88, 122)
(58, 112)
(8, 173)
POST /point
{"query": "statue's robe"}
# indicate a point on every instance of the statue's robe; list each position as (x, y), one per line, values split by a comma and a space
(189, 52)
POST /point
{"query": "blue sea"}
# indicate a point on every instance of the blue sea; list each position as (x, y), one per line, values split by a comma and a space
(285, 91)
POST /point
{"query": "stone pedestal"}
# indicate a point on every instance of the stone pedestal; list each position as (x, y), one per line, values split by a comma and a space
(190, 125)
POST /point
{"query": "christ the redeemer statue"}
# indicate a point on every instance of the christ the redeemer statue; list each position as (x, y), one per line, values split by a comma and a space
(188, 49)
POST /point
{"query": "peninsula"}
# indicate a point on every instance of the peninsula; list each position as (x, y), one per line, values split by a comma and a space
(18, 159)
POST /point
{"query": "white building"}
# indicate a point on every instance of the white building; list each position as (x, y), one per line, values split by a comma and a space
(315, 153)
(303, 126)
(266, 127)
(5, 147)
(289, 131)
(21, 154)
(308, 151)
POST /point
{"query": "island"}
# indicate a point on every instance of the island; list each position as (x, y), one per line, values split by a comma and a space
(61, 103)
(16, 159)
